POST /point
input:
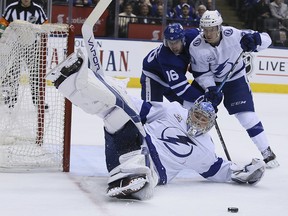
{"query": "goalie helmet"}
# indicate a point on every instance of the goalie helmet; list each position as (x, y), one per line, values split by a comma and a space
(201, 117)
(210, 19)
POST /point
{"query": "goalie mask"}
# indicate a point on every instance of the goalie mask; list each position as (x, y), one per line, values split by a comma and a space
(201, 118)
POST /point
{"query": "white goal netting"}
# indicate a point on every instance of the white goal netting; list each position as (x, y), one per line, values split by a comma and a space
(32, 122)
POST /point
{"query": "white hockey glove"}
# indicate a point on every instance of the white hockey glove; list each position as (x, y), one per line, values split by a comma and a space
(251, 173)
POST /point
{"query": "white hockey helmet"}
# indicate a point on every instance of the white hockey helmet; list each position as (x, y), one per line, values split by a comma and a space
(210, 19)
(201, 117)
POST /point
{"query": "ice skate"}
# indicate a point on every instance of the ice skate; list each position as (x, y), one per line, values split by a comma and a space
(125, 188)
(270, 158)
(69, 66)
(251, 173)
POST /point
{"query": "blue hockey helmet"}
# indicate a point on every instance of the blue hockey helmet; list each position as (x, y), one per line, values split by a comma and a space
(174, 31)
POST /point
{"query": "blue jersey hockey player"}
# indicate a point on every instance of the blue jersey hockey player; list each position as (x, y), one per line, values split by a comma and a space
(164, 68)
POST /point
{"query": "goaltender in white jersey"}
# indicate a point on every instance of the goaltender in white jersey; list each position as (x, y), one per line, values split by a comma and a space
(213, 55)
(148, 143)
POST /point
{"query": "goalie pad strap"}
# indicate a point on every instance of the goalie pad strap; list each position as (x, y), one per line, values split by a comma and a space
(115, 120)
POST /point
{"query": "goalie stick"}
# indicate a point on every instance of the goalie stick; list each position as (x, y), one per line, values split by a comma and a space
(222, 141)
(230, 73)
(95, 64)
(88, 35)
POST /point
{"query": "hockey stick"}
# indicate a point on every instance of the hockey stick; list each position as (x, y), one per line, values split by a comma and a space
(230, 73)
(95, 64)
(88, 35)
(228, 76)
(222, 141)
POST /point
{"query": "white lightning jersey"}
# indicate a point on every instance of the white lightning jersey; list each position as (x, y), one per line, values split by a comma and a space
(172, 149)
(211, 64)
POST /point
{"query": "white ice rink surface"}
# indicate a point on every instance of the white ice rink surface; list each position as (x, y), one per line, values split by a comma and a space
(82, 191)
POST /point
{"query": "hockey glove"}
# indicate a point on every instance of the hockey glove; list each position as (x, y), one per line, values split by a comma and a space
(249, 42)
(213, 96)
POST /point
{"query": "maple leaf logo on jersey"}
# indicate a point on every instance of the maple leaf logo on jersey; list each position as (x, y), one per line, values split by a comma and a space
(177, 142)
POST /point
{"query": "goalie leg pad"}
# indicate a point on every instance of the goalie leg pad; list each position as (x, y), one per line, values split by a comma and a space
(94, 98)
(128, 139)
(132, 179)
(115, 120)
(94, 93)
(67, 67)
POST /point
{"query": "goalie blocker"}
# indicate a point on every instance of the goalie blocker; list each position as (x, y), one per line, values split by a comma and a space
(131, 169)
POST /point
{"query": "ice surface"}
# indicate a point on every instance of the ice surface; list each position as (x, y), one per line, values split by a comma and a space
(82, 191)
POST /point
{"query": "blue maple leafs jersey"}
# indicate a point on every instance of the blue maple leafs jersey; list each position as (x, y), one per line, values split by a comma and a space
(168, 69)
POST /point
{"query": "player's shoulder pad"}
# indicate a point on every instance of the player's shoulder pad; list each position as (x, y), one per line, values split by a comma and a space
(191, 34)
(197, 41)
(228, 31)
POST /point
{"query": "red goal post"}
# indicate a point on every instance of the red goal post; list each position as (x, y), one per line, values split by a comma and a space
(35, 121)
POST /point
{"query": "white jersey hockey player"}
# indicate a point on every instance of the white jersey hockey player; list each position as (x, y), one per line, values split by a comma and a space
(153, 146)
(213, 54)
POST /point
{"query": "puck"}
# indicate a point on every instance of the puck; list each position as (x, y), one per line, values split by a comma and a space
(233, 209)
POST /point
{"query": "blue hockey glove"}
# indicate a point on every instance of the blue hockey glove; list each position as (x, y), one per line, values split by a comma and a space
(249, 42)
(213, 96)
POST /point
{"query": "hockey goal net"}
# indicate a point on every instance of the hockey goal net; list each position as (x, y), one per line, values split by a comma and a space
(35, 118)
